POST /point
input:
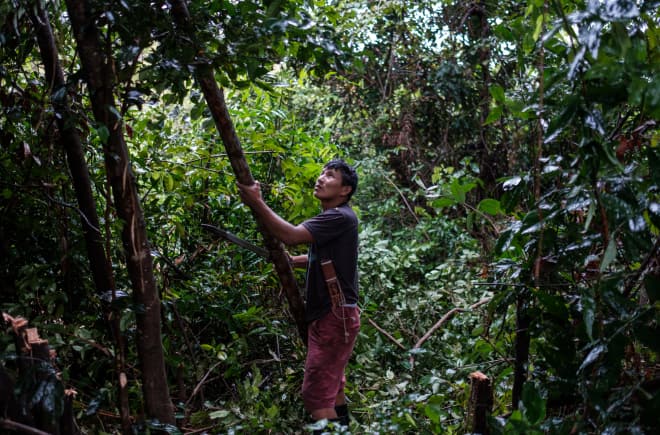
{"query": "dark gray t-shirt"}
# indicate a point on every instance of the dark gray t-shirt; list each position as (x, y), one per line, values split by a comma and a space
(335, 233)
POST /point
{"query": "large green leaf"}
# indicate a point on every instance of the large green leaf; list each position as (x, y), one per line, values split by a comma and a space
(534, 404)
(552, 304)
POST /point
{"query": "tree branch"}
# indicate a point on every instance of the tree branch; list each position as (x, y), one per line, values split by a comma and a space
(441, 322)
(382, 331)
(5, 423)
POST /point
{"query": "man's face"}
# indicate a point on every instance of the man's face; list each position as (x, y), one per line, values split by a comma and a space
(329, 185)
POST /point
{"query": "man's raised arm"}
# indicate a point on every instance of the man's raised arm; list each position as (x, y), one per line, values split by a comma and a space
(288, 233)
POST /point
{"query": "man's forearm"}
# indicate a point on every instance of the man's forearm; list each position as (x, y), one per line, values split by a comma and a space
(299, 261)
(280, 228)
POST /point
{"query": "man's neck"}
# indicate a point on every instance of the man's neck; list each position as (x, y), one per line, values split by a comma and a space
(332, 203)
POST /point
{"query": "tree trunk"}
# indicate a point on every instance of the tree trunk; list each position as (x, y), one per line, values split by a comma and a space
(486, 171)
(70, 141)
(481, 403)
(216, 101)
(98, 73)
(492, 165)
(521, 345)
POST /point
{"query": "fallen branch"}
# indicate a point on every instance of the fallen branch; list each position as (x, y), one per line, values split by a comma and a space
(20, 428)
(382, 331)
(441, 322)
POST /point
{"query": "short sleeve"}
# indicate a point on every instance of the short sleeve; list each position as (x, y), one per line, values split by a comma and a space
(327, 226)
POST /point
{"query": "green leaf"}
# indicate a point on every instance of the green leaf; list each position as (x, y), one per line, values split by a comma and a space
(538, 28)
(531, 222)
(490, 206)
(497, 92)
(610, 254)
(504, 32)
(534, 405)
(169, 182)
(459, 190)
(506, 237)
(494, 115)
(528, 43)
(219, 415)
(553, 304)
(103, 133)
(593, 355)
(434, 409)
(588, 314)
(410, 420)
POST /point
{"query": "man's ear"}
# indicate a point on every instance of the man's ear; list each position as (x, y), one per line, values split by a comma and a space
(346, 190)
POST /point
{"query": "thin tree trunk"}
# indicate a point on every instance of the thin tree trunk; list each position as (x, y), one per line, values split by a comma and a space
(490, 154)
(100, 79)
(521, 345)
(216, 102)
(70, 141)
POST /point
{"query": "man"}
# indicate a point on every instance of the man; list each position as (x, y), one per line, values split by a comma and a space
(332, 328)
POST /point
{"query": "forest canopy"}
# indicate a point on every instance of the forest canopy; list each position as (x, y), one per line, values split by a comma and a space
(509, 201)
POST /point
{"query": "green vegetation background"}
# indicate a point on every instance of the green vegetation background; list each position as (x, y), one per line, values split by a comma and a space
(506, 151)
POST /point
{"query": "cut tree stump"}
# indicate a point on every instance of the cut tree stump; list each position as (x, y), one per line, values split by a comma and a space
(32, 352)
(481, 403)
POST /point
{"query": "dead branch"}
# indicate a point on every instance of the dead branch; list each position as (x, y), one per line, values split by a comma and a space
(202, 381)
(382, 331)
(441, 322)
(5, 423)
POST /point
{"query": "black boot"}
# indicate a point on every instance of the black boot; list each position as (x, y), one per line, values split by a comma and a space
(342, 414)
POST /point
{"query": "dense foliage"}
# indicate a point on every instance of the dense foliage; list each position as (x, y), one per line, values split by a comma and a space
(508, 158)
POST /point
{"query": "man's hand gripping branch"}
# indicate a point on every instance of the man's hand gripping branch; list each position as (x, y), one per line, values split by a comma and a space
(288, 233)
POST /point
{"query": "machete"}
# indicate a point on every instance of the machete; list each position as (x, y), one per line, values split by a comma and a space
(262, 252)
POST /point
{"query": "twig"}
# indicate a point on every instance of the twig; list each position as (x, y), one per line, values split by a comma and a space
(201, 382)
(642, 270)
(507, 284)
(260, 361)
(199, 430)
(483, 215)
(80, 212)
(403, 198)
(382, 331)
(441, 322)
(497, 284)
(213, 156)
(5, 423)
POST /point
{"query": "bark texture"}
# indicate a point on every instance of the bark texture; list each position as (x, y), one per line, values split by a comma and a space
(71, 143)
(521, 345)
(481, 403)
(216, 101)
(100, 79)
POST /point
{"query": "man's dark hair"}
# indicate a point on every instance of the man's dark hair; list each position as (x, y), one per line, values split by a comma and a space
(348, 175)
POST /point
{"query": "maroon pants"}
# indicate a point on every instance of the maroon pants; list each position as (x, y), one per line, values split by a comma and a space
(330, 341)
